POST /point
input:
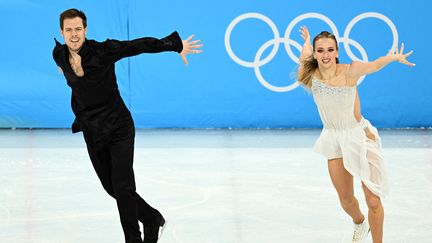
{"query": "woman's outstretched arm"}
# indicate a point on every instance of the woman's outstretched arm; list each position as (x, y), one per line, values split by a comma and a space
(359, 69)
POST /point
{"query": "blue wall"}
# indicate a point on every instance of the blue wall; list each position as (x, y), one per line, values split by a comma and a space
(216, 89)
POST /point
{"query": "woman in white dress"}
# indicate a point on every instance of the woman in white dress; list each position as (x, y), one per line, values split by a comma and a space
(350, 143)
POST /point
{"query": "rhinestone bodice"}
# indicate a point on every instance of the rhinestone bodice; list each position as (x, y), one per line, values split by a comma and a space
(335, 104)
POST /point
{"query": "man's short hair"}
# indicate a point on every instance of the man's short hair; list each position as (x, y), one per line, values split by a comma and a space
(72, 13)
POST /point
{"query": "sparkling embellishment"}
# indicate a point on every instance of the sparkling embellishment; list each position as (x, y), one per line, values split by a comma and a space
(320, 88)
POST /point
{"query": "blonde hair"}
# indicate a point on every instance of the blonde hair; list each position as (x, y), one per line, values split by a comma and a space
(308, 67)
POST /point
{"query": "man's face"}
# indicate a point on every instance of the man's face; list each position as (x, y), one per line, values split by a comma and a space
(74, 33)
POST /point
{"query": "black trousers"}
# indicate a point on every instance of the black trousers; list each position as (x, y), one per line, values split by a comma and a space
(112, 159)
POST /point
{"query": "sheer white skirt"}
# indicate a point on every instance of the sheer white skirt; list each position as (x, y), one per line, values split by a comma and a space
(362, 157)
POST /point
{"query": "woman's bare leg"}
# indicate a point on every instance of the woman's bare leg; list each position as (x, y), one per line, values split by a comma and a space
(343, 182)
(375, 215)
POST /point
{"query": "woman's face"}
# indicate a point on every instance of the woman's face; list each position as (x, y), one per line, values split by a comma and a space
(325, 52)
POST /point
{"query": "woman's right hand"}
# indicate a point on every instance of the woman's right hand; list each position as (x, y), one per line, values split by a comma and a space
(307, 49)
(305, 33)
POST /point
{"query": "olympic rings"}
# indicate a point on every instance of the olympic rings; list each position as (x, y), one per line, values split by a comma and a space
(258, 61)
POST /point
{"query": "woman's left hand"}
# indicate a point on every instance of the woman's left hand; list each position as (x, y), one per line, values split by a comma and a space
(369, 134)
(400, 57)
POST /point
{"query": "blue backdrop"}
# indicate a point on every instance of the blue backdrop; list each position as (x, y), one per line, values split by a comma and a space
(245, 78)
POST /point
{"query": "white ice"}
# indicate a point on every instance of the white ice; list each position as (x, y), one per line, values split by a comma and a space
(213, 186)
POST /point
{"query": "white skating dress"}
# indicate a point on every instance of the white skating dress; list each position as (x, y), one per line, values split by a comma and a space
(343, 137)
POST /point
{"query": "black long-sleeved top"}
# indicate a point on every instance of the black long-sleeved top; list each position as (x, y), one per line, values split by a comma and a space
(96, 100)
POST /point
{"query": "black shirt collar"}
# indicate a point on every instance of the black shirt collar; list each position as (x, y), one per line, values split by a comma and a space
(84, 49)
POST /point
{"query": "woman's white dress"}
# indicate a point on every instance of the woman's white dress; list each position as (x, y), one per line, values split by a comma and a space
(343, 137)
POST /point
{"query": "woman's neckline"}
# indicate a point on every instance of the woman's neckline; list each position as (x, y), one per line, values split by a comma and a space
(330, 85)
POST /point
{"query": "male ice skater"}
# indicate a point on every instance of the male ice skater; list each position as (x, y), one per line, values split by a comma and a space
(103, 117)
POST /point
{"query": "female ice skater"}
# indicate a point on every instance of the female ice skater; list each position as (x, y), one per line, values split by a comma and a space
(349, 141)
(102, 116)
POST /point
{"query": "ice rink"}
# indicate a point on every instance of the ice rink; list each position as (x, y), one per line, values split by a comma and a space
(212, 186)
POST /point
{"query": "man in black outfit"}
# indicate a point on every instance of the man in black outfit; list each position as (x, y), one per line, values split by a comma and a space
(103, 117)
